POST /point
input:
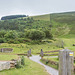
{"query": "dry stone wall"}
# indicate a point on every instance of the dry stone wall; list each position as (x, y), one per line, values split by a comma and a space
(4, 65)
(6, 50)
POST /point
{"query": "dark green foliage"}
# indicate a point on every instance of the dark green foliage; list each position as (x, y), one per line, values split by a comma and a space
(16, 42)
(2, 33)
(36, 35)
(21, 34)
(21, 63)
(13, 41)
(21, 24)
(11, 35)
(21, 40)
(48, 34)
(47, 62)
(10, 41)
(2, 40)
(22, 60)
(12, 17)
(36, 42)
(18, 65)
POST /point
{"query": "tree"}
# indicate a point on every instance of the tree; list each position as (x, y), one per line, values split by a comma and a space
(2, 33)
(48, 34)
(36, 35)
(11, 34)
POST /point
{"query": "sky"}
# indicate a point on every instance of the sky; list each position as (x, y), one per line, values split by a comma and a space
(35, 7)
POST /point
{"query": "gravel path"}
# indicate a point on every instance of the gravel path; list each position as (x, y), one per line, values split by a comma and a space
(50, 70)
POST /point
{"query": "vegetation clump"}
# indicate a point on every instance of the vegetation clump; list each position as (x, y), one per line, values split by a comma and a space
(21, 63)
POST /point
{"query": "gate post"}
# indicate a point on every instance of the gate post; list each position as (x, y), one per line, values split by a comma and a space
(66, 61)
(41, 53)
(30, 52)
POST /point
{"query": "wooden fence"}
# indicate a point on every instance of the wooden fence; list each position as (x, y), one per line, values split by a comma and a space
(47, 53)
(66, 61)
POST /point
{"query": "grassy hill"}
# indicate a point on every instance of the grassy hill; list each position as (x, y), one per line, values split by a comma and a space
(60, 24)
(45, 17)
(64, 21)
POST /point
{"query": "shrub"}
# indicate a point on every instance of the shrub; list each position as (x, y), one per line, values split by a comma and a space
(48, 34)
(2, 33)
(23, 40)
(60, 44)
(16, 42)
(2, 40)
(36, 35)
(11, 41)
(11, 34)
(18, 65)
(22, 60)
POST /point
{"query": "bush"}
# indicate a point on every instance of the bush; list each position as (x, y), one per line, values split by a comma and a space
(48, 34)
(36, 35)
(2, 40)
(11, 41)
(11, 35)
(18, 65)
(21, 63)
(60, 44)
(16, 42)
(22, 60)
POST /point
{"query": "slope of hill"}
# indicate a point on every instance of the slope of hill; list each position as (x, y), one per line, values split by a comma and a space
(59, 23)
(42, 17)
(65, 21)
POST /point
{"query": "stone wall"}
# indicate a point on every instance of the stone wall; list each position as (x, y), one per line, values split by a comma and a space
(4, 65)
(6, 50)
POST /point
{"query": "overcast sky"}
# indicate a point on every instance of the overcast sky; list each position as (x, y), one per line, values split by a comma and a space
(35, 7)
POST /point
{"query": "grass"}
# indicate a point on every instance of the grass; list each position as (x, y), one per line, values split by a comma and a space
(49, 58)
(23, 48)
(45, 17)
(7, 57)
(53, 66)
(53, 59)
(30, 68)
(68, 43)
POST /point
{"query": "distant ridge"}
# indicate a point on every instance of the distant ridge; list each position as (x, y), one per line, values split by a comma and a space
(12, 17)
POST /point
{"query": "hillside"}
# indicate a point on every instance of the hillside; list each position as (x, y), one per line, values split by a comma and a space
(60, 24)
(65, 21)
(45, 17)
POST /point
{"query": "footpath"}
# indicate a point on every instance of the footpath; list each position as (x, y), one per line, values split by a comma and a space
(50, 70)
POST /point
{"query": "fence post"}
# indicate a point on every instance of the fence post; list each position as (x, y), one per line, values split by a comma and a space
(41, 53)
(30, 52)
(66, 61)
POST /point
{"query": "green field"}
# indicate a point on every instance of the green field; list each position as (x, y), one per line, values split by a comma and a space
(30, 68)
(7, 57)
(36, 48)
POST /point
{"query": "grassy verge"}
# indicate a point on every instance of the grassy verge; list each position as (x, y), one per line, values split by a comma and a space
(30, 68)
(8, 57)
(52, 65)
(23, 48)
